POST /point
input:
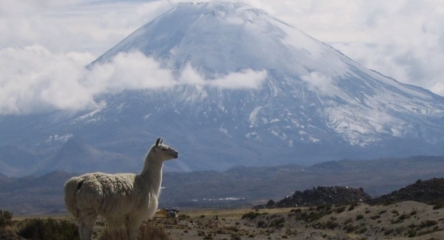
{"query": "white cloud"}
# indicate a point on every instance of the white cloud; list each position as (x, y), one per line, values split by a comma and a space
(191, 77)
(247, 79)
(128, 71)
(318, 82)
(34, 79)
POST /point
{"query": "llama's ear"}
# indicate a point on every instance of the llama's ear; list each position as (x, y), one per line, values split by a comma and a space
(158, 141)
(161, 141)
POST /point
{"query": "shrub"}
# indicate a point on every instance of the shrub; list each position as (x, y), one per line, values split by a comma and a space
(436, 228)
(261, 224)
(359, 217)
(146, 232)
(349, 220)
(313, 217)
(49, 229)
(232, 229)
(296, 210)
(250, 215)
(340, 209)
(331, 225)
(350, 228)
(402, 218)
(278, 223)
(388, 231)
(5, 218)
(438, 205)
(362, 230)
(325, 207)
(352, 206)
(428, 223)
(411, 233)
(183, 217)
(9, 232)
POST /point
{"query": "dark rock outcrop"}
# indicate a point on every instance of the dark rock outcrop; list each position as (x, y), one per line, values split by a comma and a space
(325, 195)
(427, 191)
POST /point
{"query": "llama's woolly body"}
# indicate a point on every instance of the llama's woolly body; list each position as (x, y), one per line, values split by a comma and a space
(112, 196)
(124, 200)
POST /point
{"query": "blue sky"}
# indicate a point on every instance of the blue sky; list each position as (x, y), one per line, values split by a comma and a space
(44, 44)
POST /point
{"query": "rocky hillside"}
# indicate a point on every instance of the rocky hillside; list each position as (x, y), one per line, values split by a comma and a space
(427, 191)
(325, 195)
(322, 195)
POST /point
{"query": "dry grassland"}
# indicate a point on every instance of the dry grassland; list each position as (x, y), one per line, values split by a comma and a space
(406, 220)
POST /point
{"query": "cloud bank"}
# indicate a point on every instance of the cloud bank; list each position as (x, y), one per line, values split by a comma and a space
(33, 79)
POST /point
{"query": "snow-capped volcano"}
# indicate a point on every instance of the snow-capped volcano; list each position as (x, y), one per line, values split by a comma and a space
(267, 94)
(307, 81)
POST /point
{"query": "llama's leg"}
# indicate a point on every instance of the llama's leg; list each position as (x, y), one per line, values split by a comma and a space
(132, 225)
(86, 225)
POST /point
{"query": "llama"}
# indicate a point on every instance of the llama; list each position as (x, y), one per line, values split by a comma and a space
(124, 200)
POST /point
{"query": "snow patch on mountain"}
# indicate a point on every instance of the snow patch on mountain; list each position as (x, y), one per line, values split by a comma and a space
(58, 138)
(253, 116)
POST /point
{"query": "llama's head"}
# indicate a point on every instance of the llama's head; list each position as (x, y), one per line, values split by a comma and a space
(164, 152)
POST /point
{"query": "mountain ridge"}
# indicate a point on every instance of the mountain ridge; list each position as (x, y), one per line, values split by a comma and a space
(239, 185)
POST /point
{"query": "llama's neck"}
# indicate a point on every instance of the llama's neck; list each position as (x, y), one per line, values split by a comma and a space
(152, 173)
